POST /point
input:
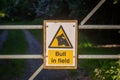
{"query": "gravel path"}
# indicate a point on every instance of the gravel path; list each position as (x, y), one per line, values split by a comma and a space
(3, 38)
(36, 48)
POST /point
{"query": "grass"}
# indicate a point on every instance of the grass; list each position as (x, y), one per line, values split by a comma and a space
(15, 44)
(11, 69)
(1, 32)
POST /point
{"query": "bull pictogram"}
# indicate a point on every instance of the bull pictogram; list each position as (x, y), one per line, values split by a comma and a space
(60, 40)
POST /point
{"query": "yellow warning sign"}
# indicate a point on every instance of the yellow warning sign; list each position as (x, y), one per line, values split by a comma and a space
(60, 57)
(60, 40)
(60, 44)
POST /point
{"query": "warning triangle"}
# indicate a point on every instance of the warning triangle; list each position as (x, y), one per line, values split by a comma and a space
(60, 40)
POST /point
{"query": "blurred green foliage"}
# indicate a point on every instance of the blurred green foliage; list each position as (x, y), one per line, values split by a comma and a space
(115, 1)
(102, 69)
(110, 70)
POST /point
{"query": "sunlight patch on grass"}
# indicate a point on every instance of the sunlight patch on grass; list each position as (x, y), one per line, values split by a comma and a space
(2, 14)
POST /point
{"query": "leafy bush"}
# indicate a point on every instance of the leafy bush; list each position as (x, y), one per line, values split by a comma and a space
(102, 69)
(110, 71)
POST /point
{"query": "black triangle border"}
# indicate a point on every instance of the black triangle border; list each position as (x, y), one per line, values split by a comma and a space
(55, 36)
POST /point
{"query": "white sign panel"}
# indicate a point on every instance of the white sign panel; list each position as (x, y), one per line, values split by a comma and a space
(60, 44)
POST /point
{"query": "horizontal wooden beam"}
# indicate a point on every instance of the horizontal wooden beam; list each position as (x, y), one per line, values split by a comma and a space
(99, 26)
(99, 56)
(41, 26)
(21, 26)
(41, 56)
(21, 56)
